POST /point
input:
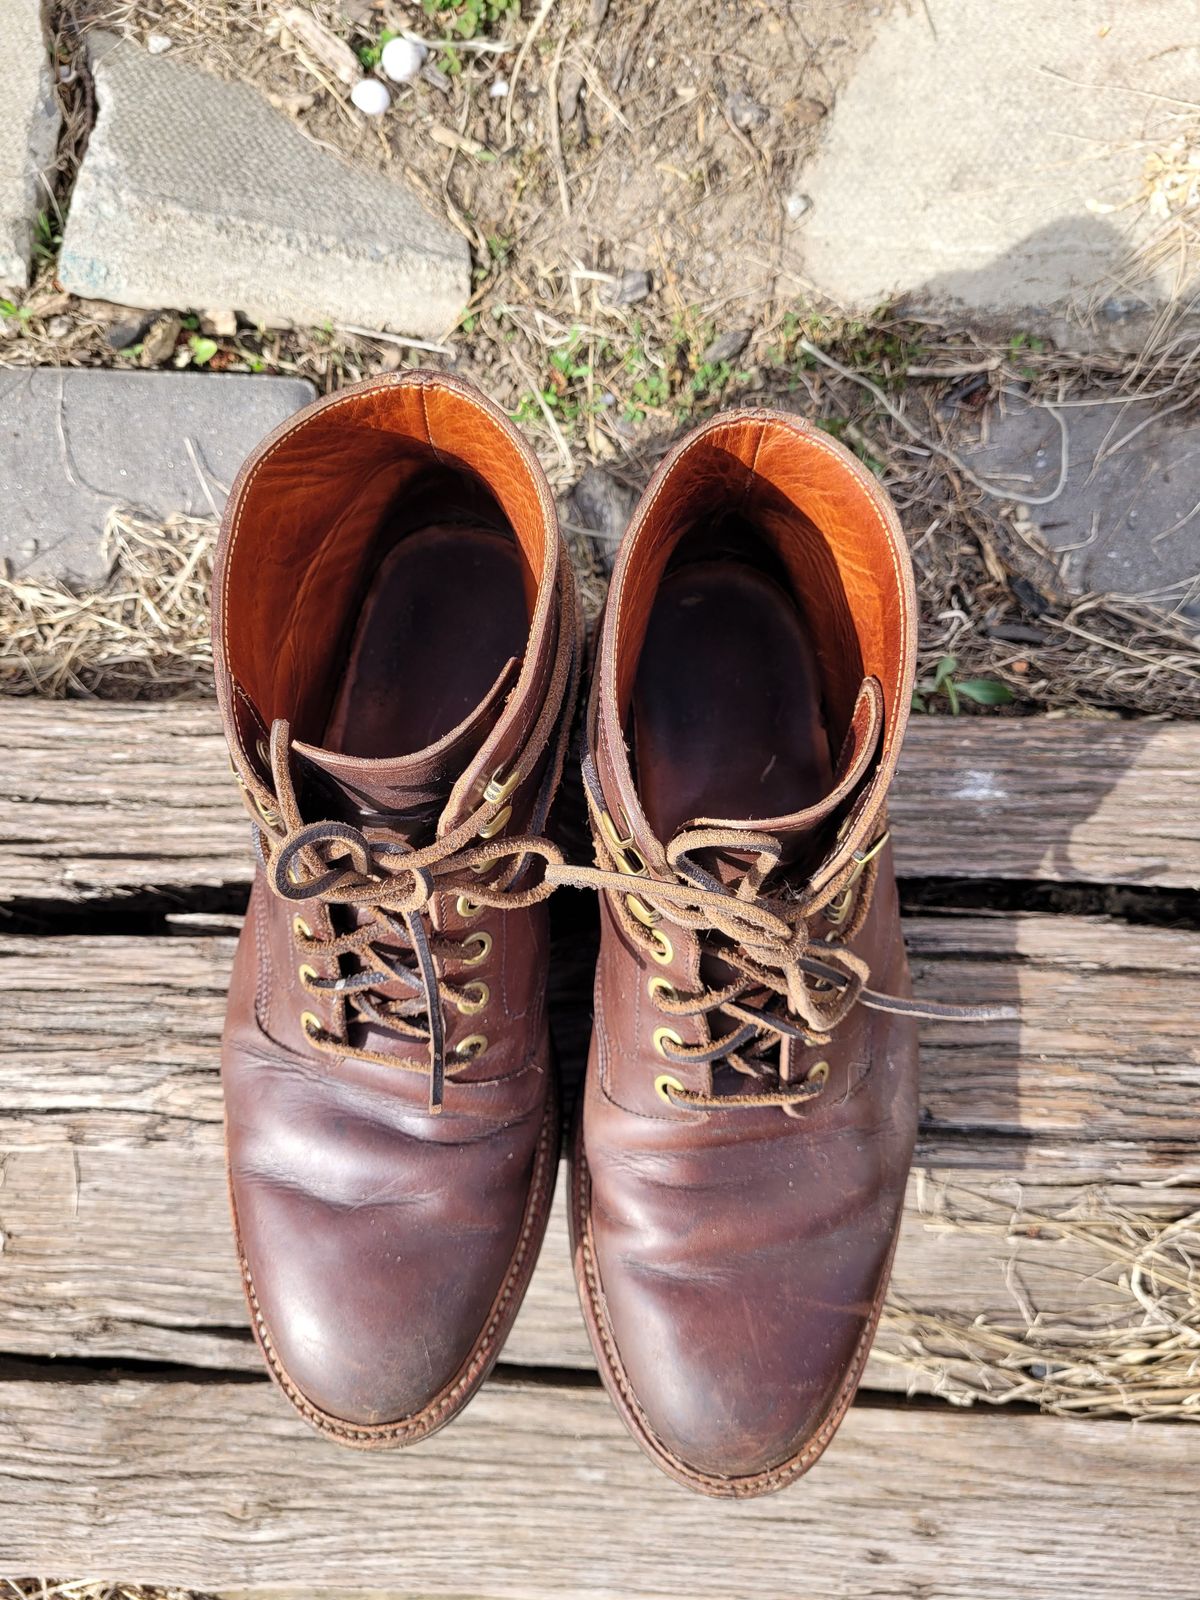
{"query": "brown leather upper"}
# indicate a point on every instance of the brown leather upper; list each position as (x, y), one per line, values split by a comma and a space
(735, 1211)
(387, 1216)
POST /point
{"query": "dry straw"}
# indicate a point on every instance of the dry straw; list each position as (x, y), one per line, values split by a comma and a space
(142, 635)
(1130, 1345)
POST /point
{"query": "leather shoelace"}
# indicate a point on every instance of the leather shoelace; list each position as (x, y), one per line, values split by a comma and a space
(789, 986)
(388, 885)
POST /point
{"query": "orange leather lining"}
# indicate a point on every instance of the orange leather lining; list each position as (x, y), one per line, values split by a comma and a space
(825, 524)
(321, 497)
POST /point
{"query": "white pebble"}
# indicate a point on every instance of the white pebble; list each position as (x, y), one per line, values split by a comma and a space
(402, 59)
(156, 43)
(371, 96)
(797, 206)
(499, 88)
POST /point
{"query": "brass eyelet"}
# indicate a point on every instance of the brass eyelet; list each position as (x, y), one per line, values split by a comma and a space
(663, 951)
(645, 914)
(499, 788)
(470, 1047)
(497, 824)
(301, 929)
(663, 1084)
(659, 986)
(484, 941)
(623, 849)
(466, 907)
(311, 1023)
(269, 817)
(306, 973)
(482, 994)
(838, 909)
(664, 1036)
(818, 1073)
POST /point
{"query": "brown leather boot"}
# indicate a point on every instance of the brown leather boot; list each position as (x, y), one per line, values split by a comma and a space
(396, 643)
(751, 1097)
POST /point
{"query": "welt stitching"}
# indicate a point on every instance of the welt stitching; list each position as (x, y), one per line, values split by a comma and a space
(420, 1424)
(740, 1487)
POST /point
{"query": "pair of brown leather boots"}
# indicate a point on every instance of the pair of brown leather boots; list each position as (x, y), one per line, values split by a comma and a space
(398, 653)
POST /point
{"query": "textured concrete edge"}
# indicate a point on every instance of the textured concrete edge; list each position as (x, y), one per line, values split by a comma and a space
(41, 147)
(85, 270)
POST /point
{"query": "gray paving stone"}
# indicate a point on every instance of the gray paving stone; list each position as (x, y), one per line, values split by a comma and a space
(74, 443)
(1128, 520)
(196, 193)
(28, 129)
(995, 158)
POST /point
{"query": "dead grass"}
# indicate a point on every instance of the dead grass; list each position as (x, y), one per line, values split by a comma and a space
(619, 148)
(1131, 1350)
(85, 1589)
(144, 635)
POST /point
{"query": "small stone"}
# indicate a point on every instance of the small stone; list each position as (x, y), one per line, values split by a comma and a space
(602, 506)
(744, 112)
(727, 346)
(402, 59)
(218, 324)
(59, 327)
(806, 113)
(128, 330)
(389, 359)
(371, 97)
(628, 289)
(499, 88)
(330, 52)
(797, 206)
(158, 43)
(293, 104)
(159, 340)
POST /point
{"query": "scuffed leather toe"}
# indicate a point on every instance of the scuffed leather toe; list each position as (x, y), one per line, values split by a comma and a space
(729, 1401)
(373, 1286)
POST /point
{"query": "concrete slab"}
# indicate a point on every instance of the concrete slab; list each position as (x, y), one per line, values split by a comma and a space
(74, 443)
(197, 193)
(1011, 161)
(29, 121)
(1128, 519)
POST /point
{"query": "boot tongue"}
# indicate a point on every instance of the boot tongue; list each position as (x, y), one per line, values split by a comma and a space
(405, 794)
(800, 833)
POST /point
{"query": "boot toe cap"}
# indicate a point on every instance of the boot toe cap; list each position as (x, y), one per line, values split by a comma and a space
(735, 1380)
(362, 1319)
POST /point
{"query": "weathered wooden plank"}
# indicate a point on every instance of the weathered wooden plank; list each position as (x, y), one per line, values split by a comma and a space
(112, 1204)
(118, 1253)
(537, 1489)
(100, 799)
(110, 1037)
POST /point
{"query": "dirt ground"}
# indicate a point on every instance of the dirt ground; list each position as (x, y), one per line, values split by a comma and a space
(633, 207)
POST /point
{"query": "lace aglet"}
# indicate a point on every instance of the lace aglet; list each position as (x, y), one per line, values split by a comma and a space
(437, 1089)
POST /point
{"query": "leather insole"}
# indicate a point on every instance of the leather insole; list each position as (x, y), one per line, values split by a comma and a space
(444, 614)
(727, 714)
